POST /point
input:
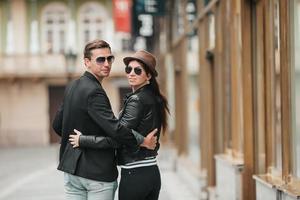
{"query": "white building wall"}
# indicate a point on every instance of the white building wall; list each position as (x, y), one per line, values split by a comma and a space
(287, 197)
(228, 178)
(113, 95)
(264, 192)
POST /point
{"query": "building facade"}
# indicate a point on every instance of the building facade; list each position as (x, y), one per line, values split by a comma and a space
(41, 50)
(236, 116)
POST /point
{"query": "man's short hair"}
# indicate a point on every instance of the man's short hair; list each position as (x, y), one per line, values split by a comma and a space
(95, 44)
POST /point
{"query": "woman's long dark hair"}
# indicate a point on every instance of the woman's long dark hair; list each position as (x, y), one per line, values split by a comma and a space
(163, 102)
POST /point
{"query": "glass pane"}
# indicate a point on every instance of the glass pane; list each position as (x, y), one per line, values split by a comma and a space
(99, 34)
(178, 22)
(49, 41)
(206, 2)
(297, 120)
(193, 98)
(91, 22)
(49, 21)
(62, 41)
(296, 86)
(86, 36)
(191, 10)
(277, 146)
(211, 31)
(54, 21)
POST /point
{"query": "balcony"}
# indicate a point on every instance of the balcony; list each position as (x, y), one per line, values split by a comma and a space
(24, 66)
(48, 66)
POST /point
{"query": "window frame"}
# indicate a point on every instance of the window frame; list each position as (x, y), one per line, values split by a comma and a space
(56, 28)
(294, 176)
(91, 28)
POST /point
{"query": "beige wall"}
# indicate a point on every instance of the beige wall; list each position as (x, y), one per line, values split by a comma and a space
(24, 111)
(113, 95)
(24, 118)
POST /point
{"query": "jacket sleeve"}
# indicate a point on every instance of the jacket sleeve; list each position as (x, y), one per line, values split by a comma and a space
(100, 111)
(101, 142)
(97, 142)
(132, 113)
(57, 122)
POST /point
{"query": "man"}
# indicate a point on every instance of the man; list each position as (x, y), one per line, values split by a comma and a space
(92, 173)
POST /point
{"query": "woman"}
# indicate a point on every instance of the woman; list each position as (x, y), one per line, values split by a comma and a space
(144, 109)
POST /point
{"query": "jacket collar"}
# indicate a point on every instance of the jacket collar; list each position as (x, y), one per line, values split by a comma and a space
(141, 88)
(137, 91)
(91, 76)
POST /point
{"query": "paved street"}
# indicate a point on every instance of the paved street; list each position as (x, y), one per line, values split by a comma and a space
(30, 174)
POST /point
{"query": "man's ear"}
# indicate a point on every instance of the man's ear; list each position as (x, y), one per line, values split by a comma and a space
(87, 62)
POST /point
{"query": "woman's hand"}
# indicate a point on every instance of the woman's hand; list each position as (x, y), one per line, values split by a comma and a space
(74, 139)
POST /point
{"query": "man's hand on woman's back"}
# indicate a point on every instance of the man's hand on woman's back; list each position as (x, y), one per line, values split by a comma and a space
(150, 140)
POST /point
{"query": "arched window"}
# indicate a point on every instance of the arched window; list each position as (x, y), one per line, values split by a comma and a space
(55, 18)
(92, 22)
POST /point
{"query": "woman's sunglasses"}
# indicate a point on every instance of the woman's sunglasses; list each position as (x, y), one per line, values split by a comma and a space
(101, 59)
(137, 70)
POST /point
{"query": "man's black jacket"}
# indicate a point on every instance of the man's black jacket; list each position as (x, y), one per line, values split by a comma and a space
(86, 108)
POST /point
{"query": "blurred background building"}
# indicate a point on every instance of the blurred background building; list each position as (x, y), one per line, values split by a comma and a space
(230, 70)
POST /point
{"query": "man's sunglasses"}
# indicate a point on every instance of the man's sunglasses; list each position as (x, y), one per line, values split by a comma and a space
(137, 70)
(101, 59)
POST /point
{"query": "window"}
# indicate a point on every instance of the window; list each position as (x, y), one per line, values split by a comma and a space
(277, 93)
(178, 22)
(193, 98)
(295, 44)
(273, 92)
(55, 17)
(92, 17)
(206, 2)
(9, 30)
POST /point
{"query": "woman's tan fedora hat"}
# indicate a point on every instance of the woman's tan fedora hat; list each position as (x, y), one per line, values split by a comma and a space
(145, 57)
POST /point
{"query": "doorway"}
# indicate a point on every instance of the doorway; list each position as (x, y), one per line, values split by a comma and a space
(56, 94)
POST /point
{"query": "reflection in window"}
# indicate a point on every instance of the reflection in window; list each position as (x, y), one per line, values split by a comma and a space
(193, 98)
(211, 31)
(54, 23)
(296, 86)
(191, 10)
(206, 2)
(277, 147)
(178, 22)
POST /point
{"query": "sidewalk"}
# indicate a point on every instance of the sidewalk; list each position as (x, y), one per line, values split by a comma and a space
(30, 174)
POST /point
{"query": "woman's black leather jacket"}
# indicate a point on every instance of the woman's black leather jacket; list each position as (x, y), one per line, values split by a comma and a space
(140, 113)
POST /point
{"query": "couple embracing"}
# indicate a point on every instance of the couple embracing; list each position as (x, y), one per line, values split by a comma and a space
(89, 157)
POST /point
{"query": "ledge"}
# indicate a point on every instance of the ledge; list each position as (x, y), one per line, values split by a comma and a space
(238, 164)
(290, 189)
(268, 180)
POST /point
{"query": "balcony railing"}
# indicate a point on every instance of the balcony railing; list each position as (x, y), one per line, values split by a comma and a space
(50, 65)
(37, 65)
